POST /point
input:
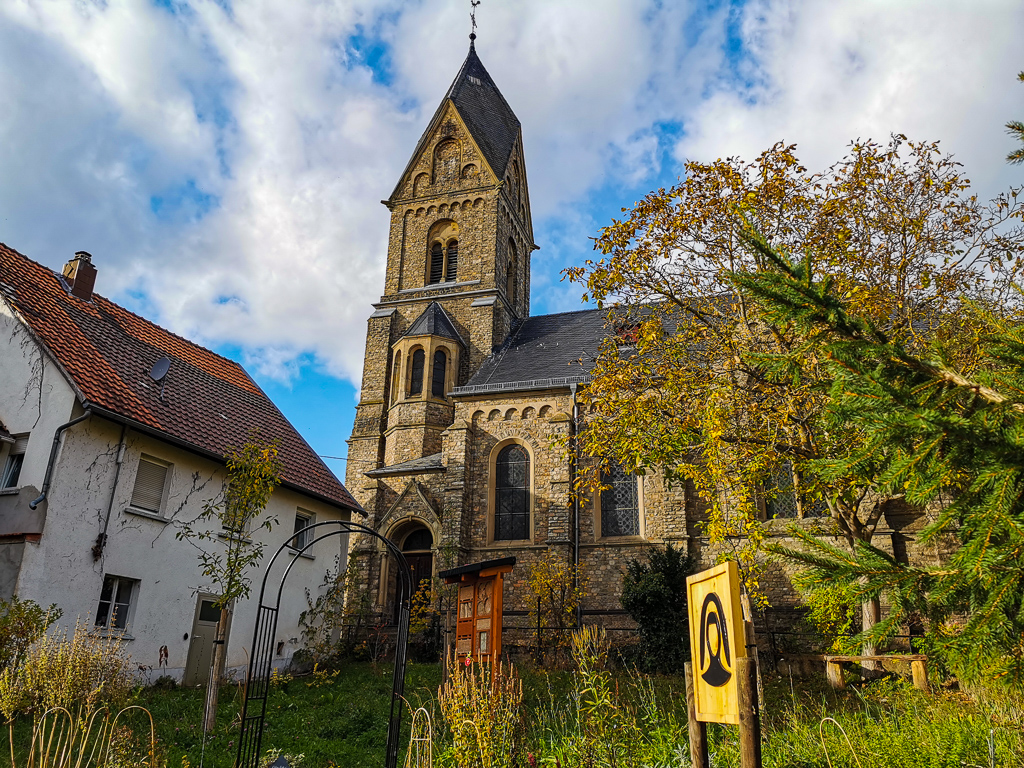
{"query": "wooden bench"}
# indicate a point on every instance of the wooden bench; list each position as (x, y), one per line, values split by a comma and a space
(918, 667)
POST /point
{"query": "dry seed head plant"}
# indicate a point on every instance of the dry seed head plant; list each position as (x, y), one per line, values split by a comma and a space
(80, 672)
(482, 707)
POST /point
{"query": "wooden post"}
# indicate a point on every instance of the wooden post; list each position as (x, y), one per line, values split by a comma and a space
(698, 730)
(834, 673)
(750, 715)
(919, 670)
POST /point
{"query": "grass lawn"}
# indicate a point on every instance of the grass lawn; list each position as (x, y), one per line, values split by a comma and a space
(343, 722)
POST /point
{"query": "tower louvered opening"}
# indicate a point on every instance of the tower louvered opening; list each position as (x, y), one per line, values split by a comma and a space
(452, 271)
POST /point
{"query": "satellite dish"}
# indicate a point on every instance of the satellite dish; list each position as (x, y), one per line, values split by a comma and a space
(159, 369)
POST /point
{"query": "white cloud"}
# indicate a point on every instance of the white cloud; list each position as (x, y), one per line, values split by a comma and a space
(266, 142)
(824, 74)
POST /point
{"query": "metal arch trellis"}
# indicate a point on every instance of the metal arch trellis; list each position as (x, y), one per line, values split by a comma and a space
(257, 680)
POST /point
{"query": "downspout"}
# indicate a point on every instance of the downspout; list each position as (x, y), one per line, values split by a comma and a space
(574, 459)
(53, 456)
(101, 540)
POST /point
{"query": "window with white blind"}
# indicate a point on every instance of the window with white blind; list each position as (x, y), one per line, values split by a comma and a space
(15, 458)
(150, 482)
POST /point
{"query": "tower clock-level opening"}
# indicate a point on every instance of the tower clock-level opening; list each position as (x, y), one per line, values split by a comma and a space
(417, 545)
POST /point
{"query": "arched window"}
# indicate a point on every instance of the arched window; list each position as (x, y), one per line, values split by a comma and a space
(440, 369)
(620, 503)
(436, 263)
(510, 273)
(451, 272)
(512, 494)
(416, 382)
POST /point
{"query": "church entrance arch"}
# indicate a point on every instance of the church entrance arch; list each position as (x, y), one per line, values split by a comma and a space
(417, 544)
(257, 678)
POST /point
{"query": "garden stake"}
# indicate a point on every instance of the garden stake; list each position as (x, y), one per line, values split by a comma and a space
(698, 730)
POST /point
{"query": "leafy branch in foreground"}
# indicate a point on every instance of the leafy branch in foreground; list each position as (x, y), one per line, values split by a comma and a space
(939, 437)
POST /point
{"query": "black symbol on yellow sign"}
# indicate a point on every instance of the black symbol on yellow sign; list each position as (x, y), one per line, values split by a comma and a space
(714, 643)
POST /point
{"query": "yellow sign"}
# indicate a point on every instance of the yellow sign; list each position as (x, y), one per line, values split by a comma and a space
(716, 641)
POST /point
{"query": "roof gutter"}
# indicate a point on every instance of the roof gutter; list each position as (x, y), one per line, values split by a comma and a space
(168, 438)
(53, 456)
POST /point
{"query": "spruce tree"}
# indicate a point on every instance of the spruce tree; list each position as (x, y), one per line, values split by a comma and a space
(937, 435)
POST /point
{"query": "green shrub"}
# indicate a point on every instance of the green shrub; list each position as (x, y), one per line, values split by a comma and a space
(654, 595)
(22, 622)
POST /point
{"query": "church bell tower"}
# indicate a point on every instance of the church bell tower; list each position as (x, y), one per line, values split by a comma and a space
(457, 280)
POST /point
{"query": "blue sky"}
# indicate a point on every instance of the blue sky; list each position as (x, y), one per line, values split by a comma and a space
(224, 161)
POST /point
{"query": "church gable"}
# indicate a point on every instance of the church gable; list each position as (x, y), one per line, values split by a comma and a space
(447, 159)
(412, 504)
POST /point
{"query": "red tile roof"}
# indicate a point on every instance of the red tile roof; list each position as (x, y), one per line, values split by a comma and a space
(210, 404)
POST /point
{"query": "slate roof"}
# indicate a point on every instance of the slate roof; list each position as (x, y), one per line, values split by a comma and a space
(487, 115)
(542, 352)
(434, 321)
(210, 403)
(431, 463)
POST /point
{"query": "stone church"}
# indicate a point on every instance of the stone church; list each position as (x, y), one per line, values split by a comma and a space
(457, 453)
(465, 396)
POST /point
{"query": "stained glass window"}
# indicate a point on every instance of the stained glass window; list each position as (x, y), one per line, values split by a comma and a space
(440, 369)
(512, 494)
(620, 503)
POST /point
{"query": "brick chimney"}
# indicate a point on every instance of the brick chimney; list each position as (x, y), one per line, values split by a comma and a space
(81, 275)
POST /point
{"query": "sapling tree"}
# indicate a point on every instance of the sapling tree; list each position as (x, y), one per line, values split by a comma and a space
(228, 553)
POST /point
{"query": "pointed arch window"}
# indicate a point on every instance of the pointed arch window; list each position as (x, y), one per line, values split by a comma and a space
(436, 263)
(440, 369)
(451, 272)
(416, 381)
(512, 494)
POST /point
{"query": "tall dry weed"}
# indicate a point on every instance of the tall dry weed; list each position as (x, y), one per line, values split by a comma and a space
(79, 672)
(482, 706)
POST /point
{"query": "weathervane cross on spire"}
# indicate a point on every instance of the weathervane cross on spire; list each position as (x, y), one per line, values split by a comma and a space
(472, 17)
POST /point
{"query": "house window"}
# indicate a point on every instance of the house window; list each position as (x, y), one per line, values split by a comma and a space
(781, 498)
(416, 383)
(150, 482)
(451, 271)
(440, 369)
(512, 494)
(114, 610)
(620, 503)
(436, 263)
(15, 459)
(303, 535)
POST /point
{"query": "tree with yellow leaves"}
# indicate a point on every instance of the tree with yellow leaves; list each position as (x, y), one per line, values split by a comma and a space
(681, 384)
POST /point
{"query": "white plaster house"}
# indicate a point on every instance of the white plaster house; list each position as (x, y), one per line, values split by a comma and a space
(112, 461)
